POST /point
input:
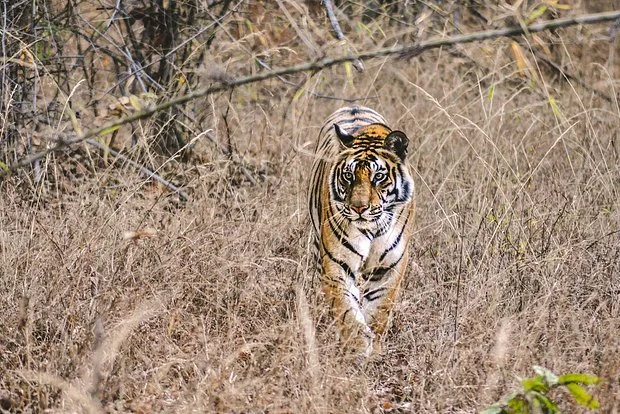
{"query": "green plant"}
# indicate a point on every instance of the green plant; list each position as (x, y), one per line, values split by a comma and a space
(534, 398)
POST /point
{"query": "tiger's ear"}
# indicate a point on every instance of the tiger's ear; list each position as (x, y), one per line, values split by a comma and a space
(345, 138)
(397, 142)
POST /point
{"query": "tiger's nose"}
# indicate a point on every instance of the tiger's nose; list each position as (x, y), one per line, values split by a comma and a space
(360, 209)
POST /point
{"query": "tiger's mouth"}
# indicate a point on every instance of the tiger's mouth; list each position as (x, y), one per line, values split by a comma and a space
(368, 223)
(372, 216)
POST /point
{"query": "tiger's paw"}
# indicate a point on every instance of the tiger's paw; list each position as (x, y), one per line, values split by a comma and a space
(359, 342)
(365, 345)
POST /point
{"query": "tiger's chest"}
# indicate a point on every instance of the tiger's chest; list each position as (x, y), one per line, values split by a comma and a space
(373, 250)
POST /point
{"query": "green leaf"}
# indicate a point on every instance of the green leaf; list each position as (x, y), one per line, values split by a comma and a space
(582, 396)
(518, 404)
(298, 94)
(348, 69)
(491, 92)
(578, 378)
(536, 14)
(555, 108)
(536, 383)
(548, 376)
(4, 166)
(545, 403)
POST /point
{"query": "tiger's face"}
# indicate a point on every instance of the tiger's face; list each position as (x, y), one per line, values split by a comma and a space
(371, 177)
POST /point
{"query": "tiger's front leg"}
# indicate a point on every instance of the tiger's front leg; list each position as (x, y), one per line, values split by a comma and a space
(344, 297)
(380, 290)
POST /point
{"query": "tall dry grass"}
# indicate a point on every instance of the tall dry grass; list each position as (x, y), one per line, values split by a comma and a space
(119, 297)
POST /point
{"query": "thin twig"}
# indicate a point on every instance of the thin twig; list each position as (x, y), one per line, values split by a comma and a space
(407, 51)
(150, 174)
(458, 282)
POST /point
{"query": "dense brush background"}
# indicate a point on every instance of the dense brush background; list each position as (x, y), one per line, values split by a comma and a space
(116, 295)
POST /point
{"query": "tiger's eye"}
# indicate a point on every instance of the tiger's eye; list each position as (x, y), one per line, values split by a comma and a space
(379, 177)
(347, 175)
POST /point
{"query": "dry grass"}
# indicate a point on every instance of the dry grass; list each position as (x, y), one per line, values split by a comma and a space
(215, 307)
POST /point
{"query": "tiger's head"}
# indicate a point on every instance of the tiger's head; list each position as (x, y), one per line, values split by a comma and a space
(370, 177)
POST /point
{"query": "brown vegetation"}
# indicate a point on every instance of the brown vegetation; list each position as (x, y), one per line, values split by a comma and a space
(118, 296)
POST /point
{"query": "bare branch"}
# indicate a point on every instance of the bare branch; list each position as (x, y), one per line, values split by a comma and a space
(406, 51)
(329, 9)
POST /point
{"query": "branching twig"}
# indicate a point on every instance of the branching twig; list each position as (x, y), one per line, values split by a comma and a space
(407, 51)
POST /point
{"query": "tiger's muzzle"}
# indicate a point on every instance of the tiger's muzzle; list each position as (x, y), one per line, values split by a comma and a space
(362, 201)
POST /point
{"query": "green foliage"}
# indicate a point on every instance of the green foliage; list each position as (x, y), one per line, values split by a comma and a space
(534, 398)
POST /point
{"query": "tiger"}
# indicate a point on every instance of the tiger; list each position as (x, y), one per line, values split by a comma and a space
(361, 204)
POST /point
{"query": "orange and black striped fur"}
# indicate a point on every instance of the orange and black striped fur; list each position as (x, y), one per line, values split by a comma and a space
(361, 201)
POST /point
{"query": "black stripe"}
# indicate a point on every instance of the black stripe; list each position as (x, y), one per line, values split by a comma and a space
(383, 199)
(382, 230)
(340, 263)
(339, 234)
(377, 273)
(333, 188)
(359, 152)
(406, 192)
(397, 241)
(344, 315)
(364, 146)
(314, 224)
(394, 191)
(406, 187)
(367, 233)
(349, 294)
(317, 194)
(368, 294)
(364, 118)
(392, 173)
(355, 109)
